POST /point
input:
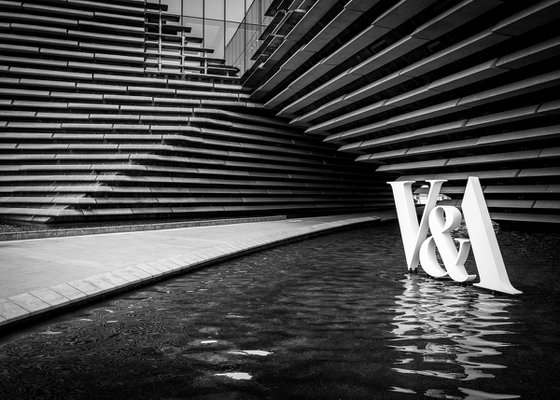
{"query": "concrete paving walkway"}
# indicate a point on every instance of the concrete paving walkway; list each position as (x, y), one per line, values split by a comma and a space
(39, 275)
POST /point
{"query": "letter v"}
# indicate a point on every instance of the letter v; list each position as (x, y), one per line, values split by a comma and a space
(412, 233)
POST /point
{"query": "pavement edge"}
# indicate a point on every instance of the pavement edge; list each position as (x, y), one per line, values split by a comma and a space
(41, 303)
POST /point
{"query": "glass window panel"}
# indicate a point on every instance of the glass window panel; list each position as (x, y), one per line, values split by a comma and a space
(214, 9)
(231, 29)
(235, 10)
(174, 6)
(193, 8)
(196, 26)
(266, 21)
(248, 61)
(214, 37)
(253, 14)
(249, 3)
(238, 50)
(252, 39)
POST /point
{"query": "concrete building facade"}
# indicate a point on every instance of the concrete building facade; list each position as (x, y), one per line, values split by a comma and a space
(114, 110)
(426, 90)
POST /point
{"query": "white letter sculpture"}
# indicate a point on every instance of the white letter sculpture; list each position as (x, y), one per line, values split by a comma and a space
(441, 220)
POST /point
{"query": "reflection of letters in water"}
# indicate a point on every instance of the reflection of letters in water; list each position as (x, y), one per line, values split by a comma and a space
(441, 221)
(447, 332)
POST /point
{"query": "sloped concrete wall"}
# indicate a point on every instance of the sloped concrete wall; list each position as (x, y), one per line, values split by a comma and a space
(427, 89)
(110, 110)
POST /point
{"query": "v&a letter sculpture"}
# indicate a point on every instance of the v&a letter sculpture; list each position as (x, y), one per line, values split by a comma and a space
(441, 220)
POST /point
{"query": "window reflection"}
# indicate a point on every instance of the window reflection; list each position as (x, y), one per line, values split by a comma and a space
(214, 9)
(214, 37)
(196, 25)
(235, 10)
(193, 8)
(231, 28)
(174, 6)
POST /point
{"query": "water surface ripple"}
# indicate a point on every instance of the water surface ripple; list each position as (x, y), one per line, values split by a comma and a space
(335, 317)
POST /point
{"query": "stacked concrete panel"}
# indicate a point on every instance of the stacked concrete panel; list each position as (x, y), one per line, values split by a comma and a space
(427, 89)
(110, 110)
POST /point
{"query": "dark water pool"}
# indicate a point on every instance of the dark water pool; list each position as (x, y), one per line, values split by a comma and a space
(335, 317)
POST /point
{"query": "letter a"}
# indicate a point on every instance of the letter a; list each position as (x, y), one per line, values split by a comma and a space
(491, 268)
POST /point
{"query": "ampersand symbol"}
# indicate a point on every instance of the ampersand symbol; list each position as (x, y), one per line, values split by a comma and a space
(442, 220)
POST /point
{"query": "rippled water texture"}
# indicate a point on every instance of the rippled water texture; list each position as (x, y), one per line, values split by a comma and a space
(335, 317)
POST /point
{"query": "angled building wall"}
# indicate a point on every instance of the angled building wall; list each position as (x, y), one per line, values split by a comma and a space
(426, 89)
(110, 110)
